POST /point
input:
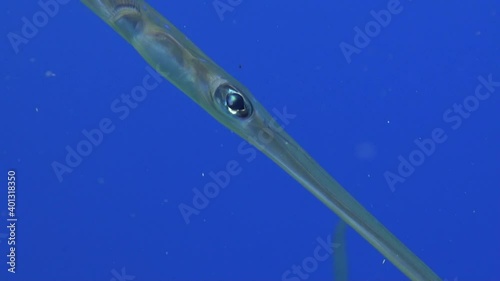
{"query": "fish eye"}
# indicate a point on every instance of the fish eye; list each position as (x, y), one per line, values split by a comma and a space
(233, 101)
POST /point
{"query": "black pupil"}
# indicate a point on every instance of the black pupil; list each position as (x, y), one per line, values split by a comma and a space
(235, 102)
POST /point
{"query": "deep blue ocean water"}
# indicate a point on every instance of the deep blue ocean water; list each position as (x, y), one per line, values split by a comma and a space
(399, 101)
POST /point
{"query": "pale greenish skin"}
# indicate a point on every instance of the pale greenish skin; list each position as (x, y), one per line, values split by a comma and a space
(176, 58)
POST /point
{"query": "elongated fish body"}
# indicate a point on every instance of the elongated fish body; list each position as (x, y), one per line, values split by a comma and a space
(176, 58)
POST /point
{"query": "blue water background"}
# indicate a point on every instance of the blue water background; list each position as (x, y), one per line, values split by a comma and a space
(116, 215)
